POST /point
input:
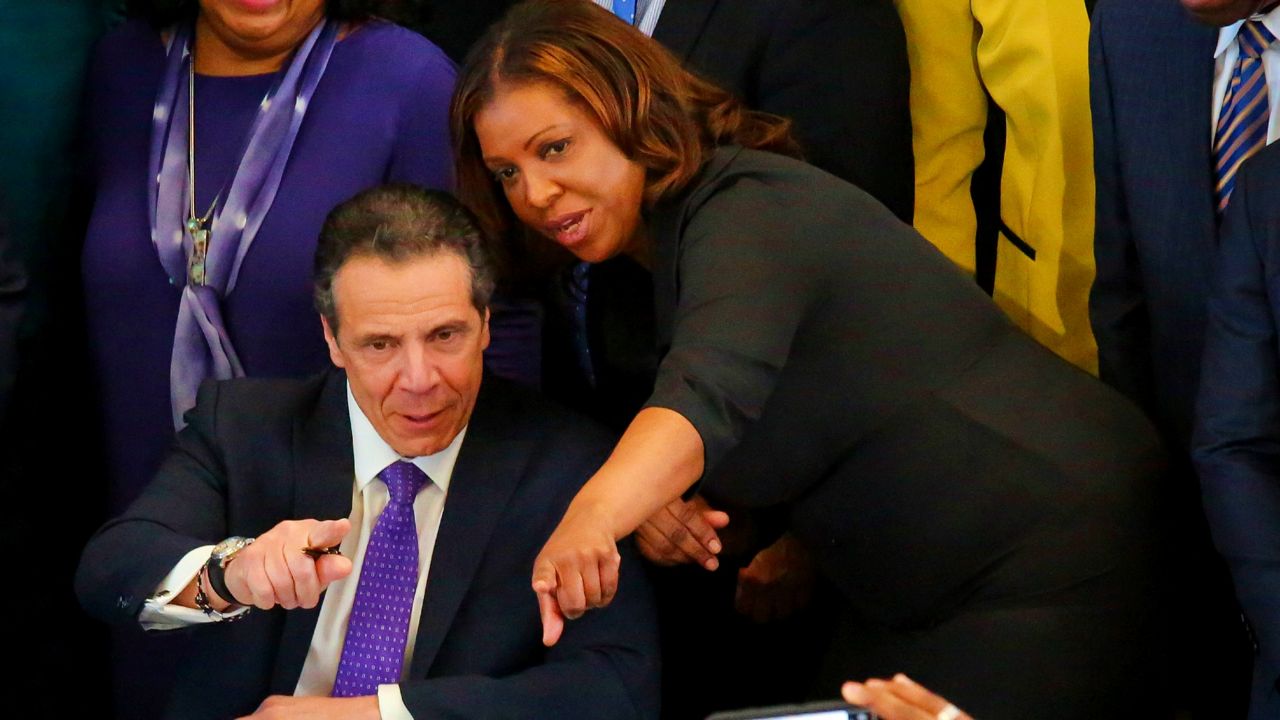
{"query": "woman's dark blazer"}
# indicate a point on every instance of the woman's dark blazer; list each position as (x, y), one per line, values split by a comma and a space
(933, 458)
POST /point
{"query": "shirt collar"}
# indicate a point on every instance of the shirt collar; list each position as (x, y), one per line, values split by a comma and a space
(372, 454)
(1227, 35)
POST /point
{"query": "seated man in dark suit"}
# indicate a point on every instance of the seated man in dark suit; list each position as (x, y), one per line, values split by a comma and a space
(370, 532)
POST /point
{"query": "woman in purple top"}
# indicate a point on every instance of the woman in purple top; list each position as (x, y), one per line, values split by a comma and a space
(298, 105)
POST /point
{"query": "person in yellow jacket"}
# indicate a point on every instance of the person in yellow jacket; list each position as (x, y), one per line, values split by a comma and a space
(1004, 155)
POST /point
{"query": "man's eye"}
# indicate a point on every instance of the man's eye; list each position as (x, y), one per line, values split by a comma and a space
(446, 335)
(380, 344)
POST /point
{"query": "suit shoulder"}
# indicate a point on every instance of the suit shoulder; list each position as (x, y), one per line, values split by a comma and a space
(1153, 26)
(767, 175)
(1110, 11)
(260, 401)
(773, 190)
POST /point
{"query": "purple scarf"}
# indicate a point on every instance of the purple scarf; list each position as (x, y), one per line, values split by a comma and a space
(201, 346)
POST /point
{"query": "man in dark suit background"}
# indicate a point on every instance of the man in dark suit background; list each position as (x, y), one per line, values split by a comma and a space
(473, 479)
(1159, 76)
(1237, 437)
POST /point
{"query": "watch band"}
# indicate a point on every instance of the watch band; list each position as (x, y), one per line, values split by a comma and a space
(217, 572)
(216, 568)
(202, 599)
(202, 602)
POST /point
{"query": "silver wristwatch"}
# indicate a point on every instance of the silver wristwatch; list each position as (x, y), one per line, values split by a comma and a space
(223, 553)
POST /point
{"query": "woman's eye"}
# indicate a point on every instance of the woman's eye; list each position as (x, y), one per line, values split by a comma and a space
(504, 175)
(554, 148)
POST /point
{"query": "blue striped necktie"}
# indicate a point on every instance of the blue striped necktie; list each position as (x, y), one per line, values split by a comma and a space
(1243, 121)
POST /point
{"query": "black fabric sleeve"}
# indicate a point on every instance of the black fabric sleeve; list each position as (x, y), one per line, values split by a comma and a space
(183, 508)
(742, 297)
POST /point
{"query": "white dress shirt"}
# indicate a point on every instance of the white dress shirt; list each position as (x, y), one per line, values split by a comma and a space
(368, 498)
(647, 12)
(1225, 56)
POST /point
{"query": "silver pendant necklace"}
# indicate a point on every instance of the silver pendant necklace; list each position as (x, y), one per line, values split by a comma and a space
(197, 226)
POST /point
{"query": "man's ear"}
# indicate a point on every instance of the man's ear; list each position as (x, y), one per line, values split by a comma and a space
(335, 354)
(484, 330)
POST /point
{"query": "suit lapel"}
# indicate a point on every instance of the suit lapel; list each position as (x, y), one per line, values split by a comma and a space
(488, 471)
(322, 482)
(681, 24)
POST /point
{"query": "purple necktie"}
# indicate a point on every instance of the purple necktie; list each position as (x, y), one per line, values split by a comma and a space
(373, 652)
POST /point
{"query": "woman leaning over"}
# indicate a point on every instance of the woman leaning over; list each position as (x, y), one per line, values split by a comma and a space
(199, 249)
(982, 507)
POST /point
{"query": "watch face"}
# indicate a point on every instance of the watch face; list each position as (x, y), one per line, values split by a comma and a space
(230, 546)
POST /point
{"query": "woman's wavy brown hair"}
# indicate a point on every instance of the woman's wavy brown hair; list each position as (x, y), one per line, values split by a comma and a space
(659, 114)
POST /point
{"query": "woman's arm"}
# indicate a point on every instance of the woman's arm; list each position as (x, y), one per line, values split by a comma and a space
(658, 457)
(741, 300)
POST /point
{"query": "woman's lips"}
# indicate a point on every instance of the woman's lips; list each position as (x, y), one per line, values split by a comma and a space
(570, 229)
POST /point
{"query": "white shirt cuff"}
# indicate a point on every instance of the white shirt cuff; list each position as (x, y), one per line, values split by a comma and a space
(158, 614)
(391, 705)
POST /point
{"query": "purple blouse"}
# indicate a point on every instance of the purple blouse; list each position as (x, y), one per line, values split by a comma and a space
(379, 114)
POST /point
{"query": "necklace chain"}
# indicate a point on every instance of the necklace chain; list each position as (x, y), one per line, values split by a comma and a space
(197, 226)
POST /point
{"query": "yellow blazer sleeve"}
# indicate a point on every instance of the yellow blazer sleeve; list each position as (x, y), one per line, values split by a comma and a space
(1031, 56)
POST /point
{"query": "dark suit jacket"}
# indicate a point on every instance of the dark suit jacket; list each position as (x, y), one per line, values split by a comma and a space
(1237, 440)
(837, 68)
(935, 459)
(1151, 75)
(1151, 92)
(260, 451)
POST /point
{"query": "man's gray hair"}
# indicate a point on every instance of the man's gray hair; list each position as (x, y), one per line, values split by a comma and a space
(396, 223)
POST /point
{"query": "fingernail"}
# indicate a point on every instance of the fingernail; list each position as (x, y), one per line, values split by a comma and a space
(715, 546)
(712, 564)
(853, 692)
